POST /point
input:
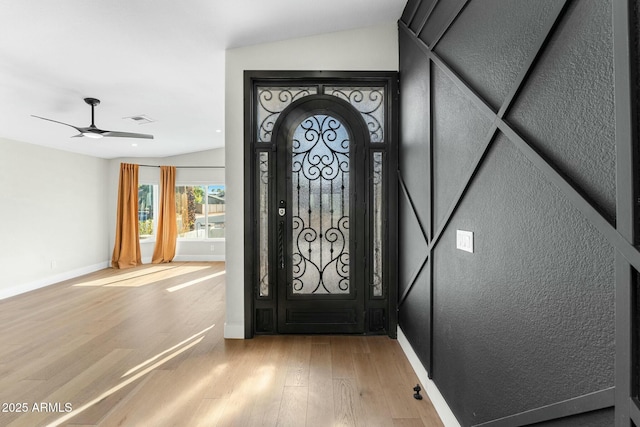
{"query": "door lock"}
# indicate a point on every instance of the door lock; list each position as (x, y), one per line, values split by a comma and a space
(282, 209)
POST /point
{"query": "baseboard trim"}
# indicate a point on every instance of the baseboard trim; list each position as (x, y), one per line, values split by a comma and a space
(51, 280)
(445, 413)
(189, 258)
(233, 331)
(200, 258)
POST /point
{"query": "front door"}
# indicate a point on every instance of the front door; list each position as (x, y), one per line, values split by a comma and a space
(320, 197)
(320, 217)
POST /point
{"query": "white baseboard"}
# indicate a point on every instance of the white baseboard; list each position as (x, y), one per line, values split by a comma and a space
(200, 258)
(50, 280)
(445, 413)
(190, 258)
(233, 331)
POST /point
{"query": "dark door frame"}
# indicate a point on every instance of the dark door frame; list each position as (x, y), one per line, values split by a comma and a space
(381, 316)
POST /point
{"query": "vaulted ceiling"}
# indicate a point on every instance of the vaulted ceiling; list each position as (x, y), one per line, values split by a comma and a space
(162, 59)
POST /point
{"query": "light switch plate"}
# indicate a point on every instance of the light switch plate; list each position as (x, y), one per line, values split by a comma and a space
(464, 240)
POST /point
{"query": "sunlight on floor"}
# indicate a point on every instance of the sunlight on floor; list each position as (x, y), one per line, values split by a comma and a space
(229, 407)
(194, 282)
(262, 379)
(122, 275)
(142, 277)
(135, 377)
(184, 398)
(153, 278)
(159, 355)
(123, 384)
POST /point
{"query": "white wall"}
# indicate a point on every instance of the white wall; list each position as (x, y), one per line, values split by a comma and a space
(185, 250)
(57, 212)
(368, 49)
(53, 208)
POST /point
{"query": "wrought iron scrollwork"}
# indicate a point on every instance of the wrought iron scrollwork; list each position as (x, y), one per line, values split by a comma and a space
(320, 181)
(271, 102)
(264, 167)
(369, 101)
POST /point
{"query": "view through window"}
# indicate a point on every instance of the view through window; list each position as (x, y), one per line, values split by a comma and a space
(200, 211)
(146, 209)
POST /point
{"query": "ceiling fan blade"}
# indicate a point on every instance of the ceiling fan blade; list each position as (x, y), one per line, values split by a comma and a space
(55, 121)
(92, 131)
(127, 134)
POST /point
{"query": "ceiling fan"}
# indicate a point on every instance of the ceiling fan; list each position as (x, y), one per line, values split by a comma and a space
(92, 131)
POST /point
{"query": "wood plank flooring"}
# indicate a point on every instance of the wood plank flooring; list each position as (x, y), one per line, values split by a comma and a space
(145, 347)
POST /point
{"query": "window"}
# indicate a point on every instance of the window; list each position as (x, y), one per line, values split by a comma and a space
(200, 211)
(146, 217)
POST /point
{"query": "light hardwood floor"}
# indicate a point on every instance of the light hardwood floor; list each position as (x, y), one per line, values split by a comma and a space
(145, 347)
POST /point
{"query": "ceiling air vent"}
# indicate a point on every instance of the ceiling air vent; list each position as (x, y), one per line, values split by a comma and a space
(141, 120)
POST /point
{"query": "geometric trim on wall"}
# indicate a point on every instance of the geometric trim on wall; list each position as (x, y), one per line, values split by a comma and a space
(619, 235)
(425, 258)
(601, 399)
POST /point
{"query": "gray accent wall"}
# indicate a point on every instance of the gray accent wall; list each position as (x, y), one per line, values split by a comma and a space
(514, 126)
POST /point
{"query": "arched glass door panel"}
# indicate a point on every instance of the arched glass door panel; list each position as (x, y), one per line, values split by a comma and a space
(320, 206)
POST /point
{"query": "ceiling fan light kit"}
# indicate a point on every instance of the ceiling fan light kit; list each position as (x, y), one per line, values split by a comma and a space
(91, 135)
(92, 131)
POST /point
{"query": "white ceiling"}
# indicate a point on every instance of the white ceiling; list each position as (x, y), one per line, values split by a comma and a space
(159, 58)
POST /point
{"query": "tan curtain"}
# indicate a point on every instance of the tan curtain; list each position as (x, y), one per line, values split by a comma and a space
(126, 250)
(167, 234)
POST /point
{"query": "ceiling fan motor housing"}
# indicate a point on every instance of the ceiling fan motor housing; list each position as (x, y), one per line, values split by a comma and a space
(92, 101)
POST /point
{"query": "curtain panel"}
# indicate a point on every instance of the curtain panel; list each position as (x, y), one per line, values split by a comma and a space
(167, 234)
(126, 250)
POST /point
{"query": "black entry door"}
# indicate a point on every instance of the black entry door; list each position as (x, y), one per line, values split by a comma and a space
(320, 217)
(320, 196)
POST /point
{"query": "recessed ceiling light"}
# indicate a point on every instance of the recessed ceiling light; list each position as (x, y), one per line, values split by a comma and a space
(218, 130)
(134, 145)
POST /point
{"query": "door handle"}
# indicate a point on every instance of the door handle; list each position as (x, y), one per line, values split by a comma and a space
(281, 244)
